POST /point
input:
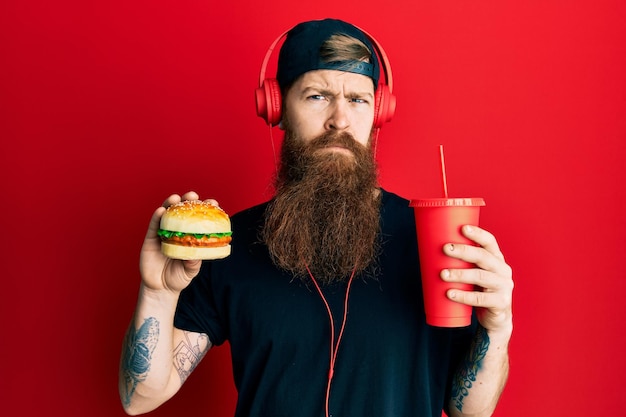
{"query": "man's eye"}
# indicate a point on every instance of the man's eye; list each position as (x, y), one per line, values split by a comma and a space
(316, 97)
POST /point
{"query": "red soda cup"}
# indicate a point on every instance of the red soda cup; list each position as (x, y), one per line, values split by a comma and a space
(439, 221)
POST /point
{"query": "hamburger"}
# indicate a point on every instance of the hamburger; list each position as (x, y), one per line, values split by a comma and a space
(195, 229)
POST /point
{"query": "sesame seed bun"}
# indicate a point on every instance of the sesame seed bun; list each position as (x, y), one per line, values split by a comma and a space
(195, 229)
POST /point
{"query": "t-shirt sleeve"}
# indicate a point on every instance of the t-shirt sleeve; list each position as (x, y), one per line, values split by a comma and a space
(197, 311)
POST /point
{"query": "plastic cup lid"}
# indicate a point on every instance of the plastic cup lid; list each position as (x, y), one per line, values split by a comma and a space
(446, 202)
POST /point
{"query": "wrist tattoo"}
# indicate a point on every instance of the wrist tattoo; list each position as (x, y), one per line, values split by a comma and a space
(466, 375)
(137, 354)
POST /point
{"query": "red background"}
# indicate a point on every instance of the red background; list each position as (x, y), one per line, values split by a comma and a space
(108, 107)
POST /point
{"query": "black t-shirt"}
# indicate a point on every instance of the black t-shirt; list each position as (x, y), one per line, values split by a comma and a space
(390, 362)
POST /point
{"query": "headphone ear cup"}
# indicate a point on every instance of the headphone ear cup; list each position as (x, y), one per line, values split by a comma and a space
(269, 101)
(384, 105)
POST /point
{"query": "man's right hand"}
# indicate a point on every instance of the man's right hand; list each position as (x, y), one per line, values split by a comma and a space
(159, 272)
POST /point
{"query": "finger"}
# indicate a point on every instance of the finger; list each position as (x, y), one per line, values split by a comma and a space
(484, 239)
(472, 298)
(475, 255)
(171, 200)
(155, 222)
(191, 195)
(495, 301)
(212, 202)
(192, 267)
(175, 198)
(474, 276)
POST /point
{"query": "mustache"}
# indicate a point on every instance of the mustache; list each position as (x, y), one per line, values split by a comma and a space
(336, 139)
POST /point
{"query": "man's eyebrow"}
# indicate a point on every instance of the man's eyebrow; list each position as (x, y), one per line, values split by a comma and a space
(318, 90)
(326, 92)
(362, 94)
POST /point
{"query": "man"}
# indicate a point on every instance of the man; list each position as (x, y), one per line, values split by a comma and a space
(321, 299)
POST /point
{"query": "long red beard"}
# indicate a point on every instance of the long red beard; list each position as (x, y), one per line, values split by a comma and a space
(325, 214)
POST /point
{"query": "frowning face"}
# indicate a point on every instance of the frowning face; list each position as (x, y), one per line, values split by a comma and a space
(321, 101)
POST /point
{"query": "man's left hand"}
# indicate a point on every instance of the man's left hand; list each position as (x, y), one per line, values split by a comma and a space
(492, 278)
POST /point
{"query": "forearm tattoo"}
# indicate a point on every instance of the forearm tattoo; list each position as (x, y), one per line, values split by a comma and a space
(188, 354)
(137, 354)
(466, 375)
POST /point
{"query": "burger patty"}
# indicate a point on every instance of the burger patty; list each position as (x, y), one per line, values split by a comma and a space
(192, 241)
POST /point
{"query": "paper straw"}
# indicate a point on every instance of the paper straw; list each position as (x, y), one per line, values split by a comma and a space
(443, 172)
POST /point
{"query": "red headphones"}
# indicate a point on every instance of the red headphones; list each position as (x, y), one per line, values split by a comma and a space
(269, 100)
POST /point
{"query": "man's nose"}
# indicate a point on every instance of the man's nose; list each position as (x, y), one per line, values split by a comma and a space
(339, 116)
